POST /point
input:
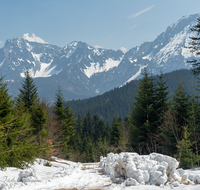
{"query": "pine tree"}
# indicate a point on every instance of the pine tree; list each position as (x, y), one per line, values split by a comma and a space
(18, 147)
(144, 114)
(88, 128)
(79, 125)
(39, 119)
(68, 127)
(29, 101)
(181, 105)
(173, 121)
(185, 155)
(28, 93)
(194, 47)
(169, 133)
(194, 124)
(115, 132)
(162, 95)
(58, 104)
(65, 117)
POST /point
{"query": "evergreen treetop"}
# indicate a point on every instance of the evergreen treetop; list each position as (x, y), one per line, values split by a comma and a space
(58, 103)
(18, 146)
(181, 104)
(194, 47)
(28, 93)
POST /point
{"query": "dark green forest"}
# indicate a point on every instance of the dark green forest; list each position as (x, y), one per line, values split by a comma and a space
(156, 117)
(118, 101)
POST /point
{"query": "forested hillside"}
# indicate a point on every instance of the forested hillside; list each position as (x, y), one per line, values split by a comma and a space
(118, 101)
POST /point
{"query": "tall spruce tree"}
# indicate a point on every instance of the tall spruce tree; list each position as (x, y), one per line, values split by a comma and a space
(144, 114)
(194, 124)
(17, 144)
(58, 104)
(194, 47)
(181, 105)
(28, 93)
(115, 132)
(39, 119)
(29, 101)
(65, 117)
(162, 95)
(174, 120)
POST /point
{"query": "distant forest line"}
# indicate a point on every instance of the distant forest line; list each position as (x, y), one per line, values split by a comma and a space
(118, 101)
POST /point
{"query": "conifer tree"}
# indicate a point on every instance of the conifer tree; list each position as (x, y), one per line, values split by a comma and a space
(115, 132)
(29, 101)
(169, 133)
(144, 114)
(195, 48)
(58, 104)
(28, 93)
(39, 119)
(194, 124)
(162, 103)
(88, 126)
(174, 119)
(181, 105)
(79, 124)
(89, 150)
(65, 117)
(185, 154)
(17, 144)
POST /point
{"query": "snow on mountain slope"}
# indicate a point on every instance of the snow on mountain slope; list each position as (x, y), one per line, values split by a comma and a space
(136, 75)
(85, 71)
(175, 47)
(96, 68)
(167, 52)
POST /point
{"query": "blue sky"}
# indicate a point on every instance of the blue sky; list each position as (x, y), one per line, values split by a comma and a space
(111, 24)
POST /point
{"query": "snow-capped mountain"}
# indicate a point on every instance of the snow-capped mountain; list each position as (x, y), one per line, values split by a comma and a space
(84, 71)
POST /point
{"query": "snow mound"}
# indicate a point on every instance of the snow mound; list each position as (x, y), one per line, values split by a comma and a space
(68, 170)
(27, 176)
(154, 169)
(37, 175)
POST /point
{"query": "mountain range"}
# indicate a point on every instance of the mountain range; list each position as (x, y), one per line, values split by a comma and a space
(84, 71)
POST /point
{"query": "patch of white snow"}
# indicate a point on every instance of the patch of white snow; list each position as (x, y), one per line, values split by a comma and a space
(96, 68)
(149, 57)
(135, 75)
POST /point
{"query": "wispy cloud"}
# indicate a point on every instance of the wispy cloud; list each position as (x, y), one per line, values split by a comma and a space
(134, 26)
(140, 12)
(33, 38)
(123, 49)
(1, 42)
(110, 36)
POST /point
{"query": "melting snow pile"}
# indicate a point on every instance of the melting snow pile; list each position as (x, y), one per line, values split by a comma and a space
(154, 169)
(30, 176)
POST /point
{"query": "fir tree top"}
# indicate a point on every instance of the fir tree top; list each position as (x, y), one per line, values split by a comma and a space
(28, 93)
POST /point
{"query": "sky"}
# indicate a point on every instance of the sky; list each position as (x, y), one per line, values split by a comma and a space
(110, 24)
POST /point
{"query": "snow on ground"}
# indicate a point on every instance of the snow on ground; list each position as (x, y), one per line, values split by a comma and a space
(67, 175)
